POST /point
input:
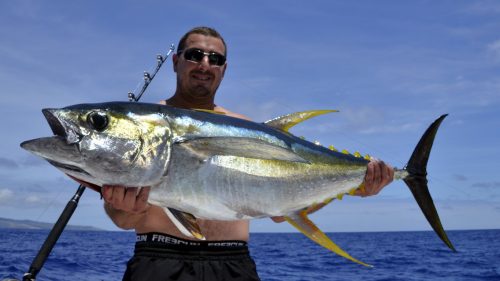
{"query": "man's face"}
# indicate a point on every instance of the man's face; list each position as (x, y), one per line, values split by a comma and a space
(197, 80)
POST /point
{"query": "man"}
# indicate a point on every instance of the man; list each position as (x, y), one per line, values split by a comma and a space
(162, 251)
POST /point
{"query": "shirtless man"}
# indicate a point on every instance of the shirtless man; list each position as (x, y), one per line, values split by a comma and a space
(162, 252)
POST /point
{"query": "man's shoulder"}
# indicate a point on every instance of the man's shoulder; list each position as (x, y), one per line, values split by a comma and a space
(230, 113)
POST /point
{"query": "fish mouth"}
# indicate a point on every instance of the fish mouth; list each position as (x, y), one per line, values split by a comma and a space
(64, 144)
(62, 126)
(58, 153)
(67, 167)
(76, 174)
(55, 124)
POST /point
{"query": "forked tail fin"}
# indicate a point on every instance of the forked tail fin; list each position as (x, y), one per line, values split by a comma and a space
(417, 179)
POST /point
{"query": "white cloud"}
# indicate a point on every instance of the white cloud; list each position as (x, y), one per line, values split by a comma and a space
(32, 199)
(494, 48)
(369, 121)
(483, 7)
(6, 194)
(7, 163)
(390, 128)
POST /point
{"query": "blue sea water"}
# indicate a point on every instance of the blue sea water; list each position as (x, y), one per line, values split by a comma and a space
(102, 255)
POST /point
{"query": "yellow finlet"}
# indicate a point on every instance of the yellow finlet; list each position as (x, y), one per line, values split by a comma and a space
(331, 147)
(357, 154)
(345, 151)
(285, 122)
(340, 196)
(300, 221)
(368, 157)
(361, 188)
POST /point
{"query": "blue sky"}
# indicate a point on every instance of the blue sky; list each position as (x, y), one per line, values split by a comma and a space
(390, 67)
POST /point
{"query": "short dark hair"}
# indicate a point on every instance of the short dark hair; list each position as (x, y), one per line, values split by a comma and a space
(203, 30)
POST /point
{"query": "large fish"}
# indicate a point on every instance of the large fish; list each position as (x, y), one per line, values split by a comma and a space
(211, 166)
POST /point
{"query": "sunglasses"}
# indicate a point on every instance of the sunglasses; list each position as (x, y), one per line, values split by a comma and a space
(197, 55)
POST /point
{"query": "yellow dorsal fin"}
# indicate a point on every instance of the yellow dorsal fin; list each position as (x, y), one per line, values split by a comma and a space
(285, 122)
(209, 111)
(300, 221)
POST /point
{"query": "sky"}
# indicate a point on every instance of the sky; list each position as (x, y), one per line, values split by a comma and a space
(389, 67)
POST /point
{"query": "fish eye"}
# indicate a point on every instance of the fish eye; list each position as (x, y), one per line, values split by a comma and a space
(97, 120)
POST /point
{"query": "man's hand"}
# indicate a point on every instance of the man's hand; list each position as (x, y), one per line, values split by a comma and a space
(378, 175)
(126, 199)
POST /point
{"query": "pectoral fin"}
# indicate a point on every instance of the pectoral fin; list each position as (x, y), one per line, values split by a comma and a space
(241, 147)
(300, 221)
(209, 111)
(185, 222)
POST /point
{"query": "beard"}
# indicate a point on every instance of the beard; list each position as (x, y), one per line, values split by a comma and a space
(197, 85)
(200, 91)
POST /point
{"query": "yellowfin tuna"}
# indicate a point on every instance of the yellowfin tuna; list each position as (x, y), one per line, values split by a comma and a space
(212, 166)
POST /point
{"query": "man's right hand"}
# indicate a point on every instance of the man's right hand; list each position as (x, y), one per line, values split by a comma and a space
(126, 199)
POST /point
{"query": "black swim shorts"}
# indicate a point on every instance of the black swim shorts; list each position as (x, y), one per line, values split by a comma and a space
(161, 257)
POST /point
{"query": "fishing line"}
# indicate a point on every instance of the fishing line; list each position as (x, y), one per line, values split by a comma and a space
(391, 156)
(431, 176)
(47, 206)
(263, 94)
(469, 195)
(289, 109)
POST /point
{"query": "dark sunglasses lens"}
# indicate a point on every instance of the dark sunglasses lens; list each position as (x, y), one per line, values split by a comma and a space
(197, 55)
(216, 59)
(194, 55)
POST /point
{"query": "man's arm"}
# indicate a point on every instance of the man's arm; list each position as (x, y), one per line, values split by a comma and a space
(126, 206)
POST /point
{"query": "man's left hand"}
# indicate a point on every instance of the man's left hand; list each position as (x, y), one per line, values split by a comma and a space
(378, 175)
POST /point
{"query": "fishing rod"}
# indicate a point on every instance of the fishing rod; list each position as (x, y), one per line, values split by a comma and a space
(148, 77)
(68, 211)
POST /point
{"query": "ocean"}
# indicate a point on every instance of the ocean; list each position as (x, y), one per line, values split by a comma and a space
(102, 255)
